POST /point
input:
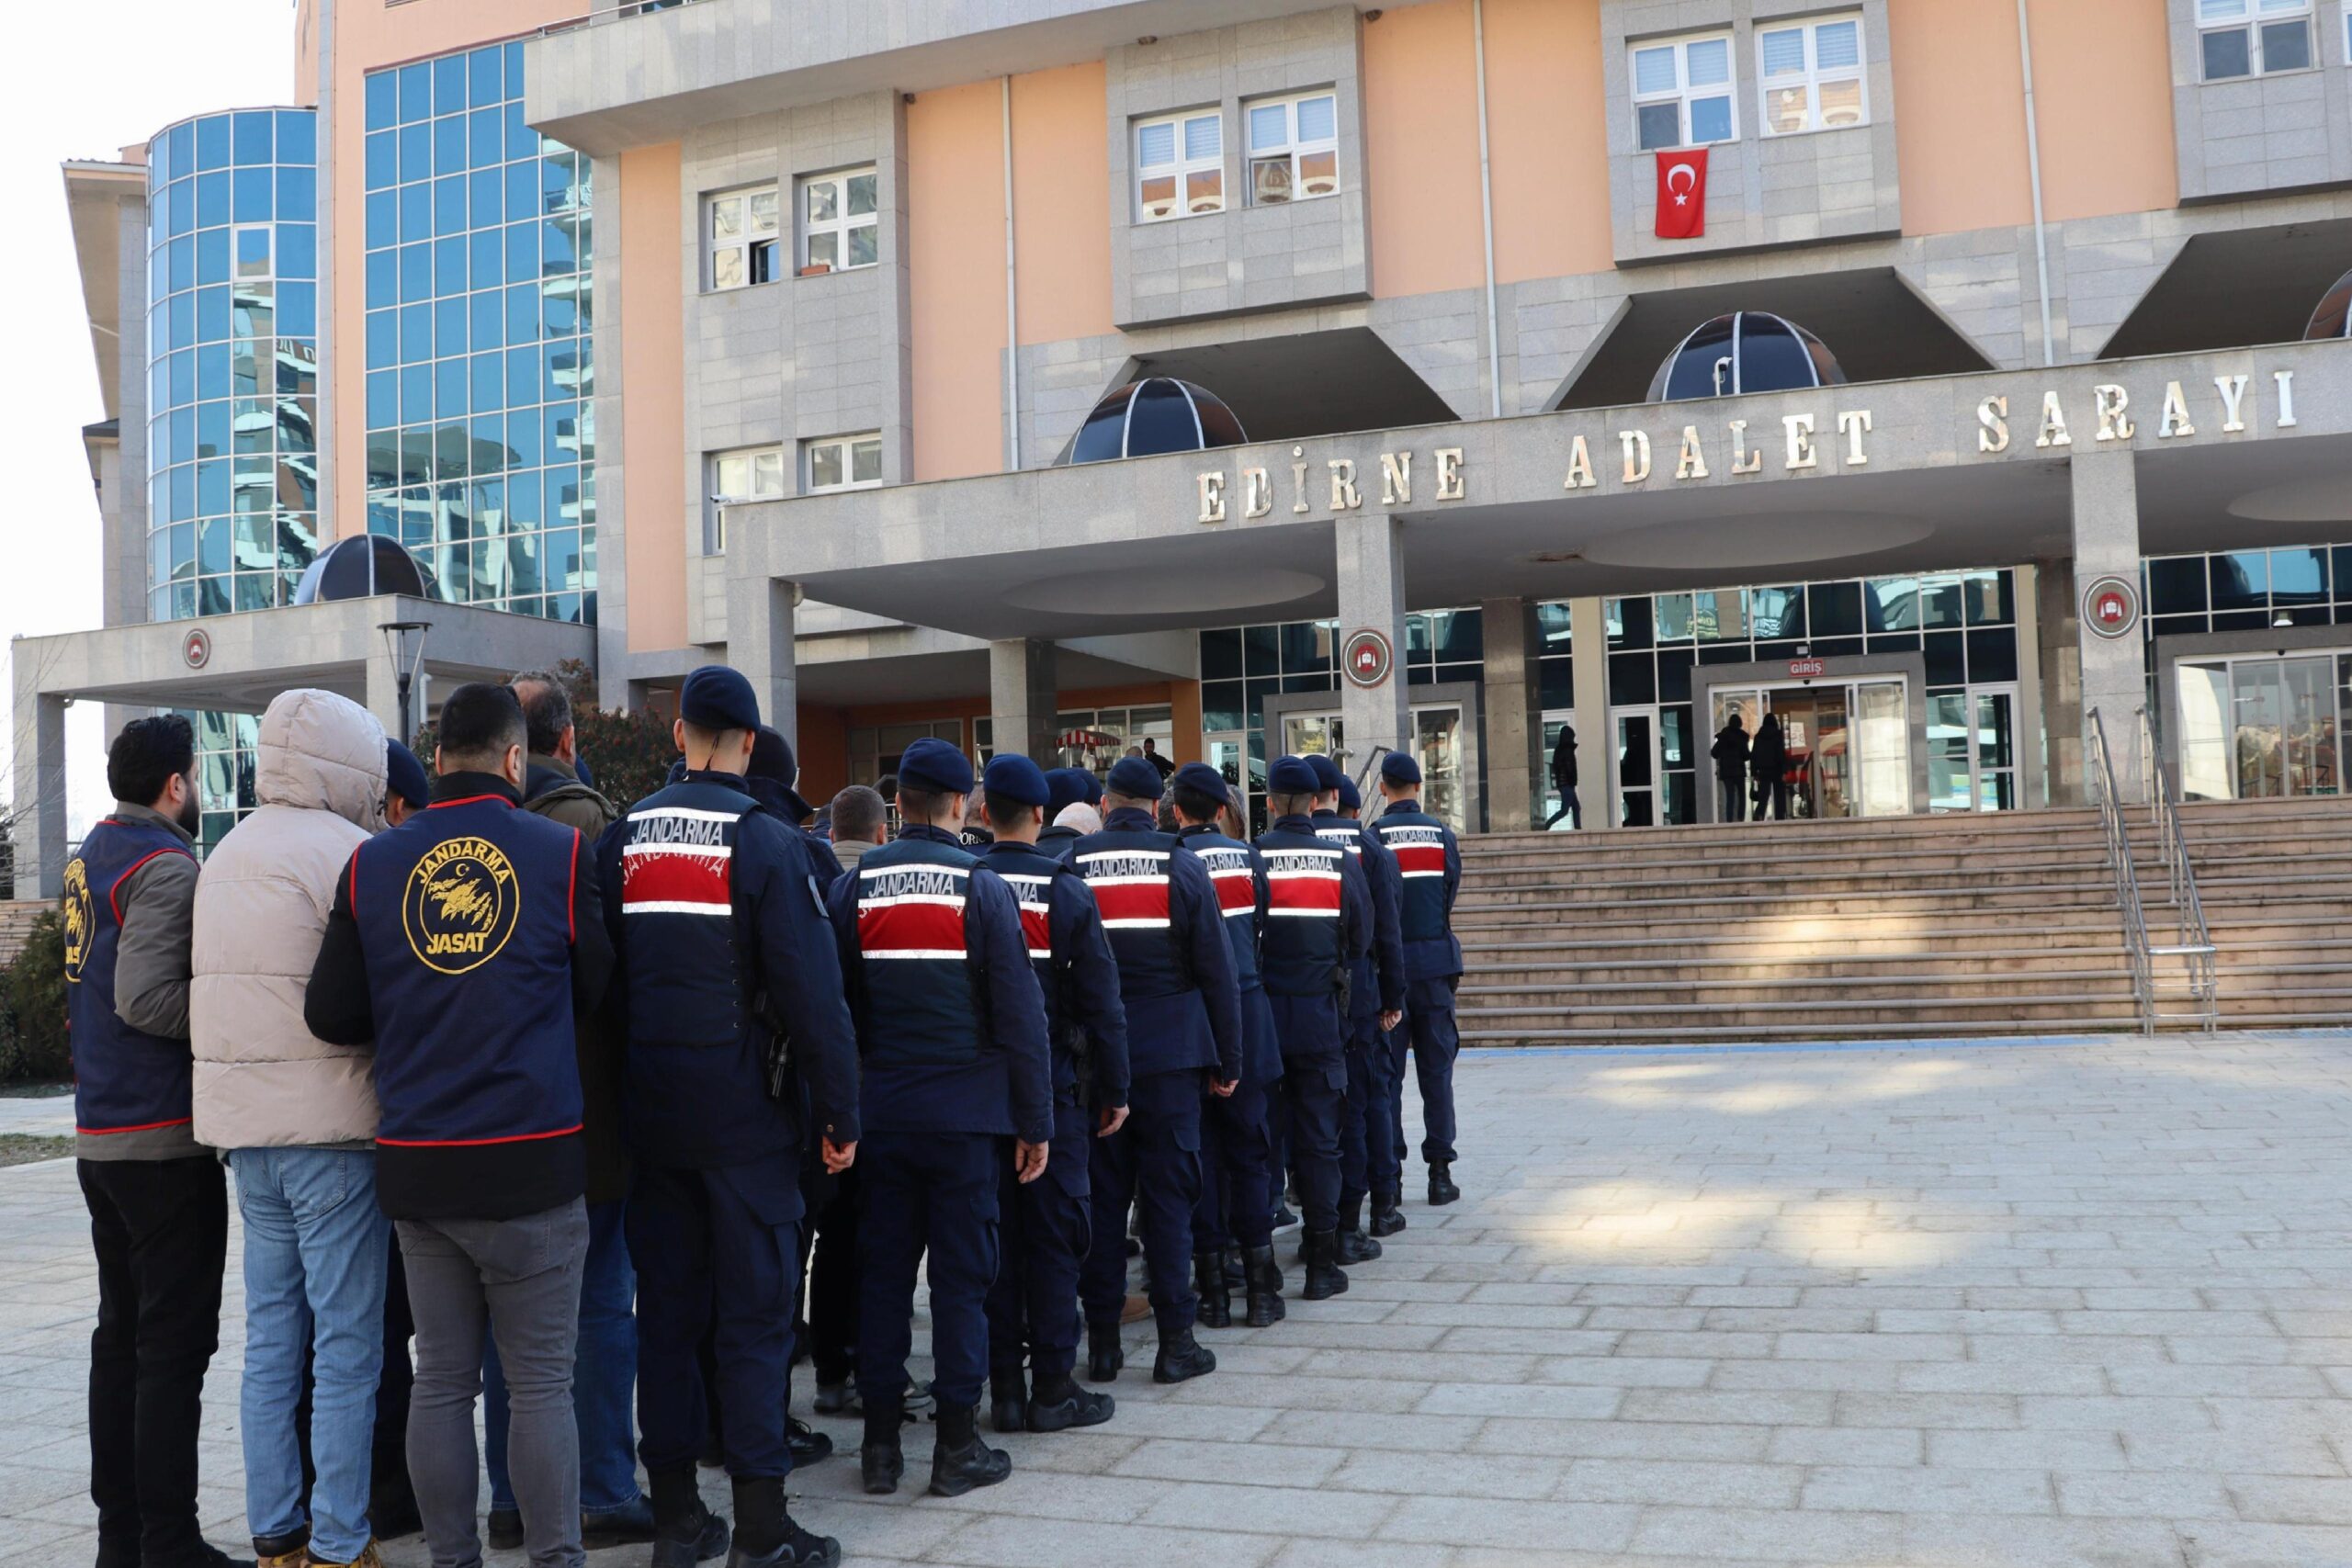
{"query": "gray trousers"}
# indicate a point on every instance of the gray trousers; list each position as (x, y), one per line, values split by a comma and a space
(520, 1280)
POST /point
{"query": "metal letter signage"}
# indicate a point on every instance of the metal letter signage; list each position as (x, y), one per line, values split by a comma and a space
(195, 649)
(1366, 658)
(2111, 606)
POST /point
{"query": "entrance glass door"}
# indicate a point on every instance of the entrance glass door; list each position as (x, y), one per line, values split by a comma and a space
(1554, 722)
(1436, 746)
(1305, 734)
(1637, 768)
(2260, 727)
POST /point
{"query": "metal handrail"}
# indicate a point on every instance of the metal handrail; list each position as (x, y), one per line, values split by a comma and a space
(2127, 885)
(2193, 944)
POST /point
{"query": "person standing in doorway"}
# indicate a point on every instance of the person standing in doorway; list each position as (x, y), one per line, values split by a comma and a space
(1563, 780)
(1767, 763)
(1730, 753)
(159, 1207)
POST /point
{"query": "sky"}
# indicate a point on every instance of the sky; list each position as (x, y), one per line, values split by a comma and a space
(81, 82)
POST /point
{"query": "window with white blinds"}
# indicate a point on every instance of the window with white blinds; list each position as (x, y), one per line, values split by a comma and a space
(1294, 148)
(2253, 37)
(1811, 75)
(1180, 166)
(1682, 92)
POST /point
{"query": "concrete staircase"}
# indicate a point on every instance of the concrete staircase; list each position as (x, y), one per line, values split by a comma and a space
(1916, 927)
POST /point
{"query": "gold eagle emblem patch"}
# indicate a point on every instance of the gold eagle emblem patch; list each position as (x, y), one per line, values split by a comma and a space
(460, 905)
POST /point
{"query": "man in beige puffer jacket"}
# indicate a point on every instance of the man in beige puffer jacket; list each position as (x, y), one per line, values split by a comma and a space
(296, 1118)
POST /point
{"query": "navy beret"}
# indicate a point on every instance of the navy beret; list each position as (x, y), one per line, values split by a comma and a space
(1398, 767)
(1328, 776)
(404, 775)
(716, 697)
(1201, 777)
(935, 766)
(1065, 786)
(1350, 798)
(772, 758)
(1135, 778)
(1093, 785)
(1290, 775)
(1015, 777)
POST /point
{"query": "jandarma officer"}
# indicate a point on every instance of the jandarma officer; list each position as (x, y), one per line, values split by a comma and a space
(1376, 1000)
(1319, 926)
(1183, 1021)
(724, 948)
(1428, 865)
(952, 1027)
(1045, 1224)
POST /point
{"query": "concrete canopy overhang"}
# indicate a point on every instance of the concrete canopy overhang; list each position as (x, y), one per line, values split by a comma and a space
(334, 647)
(619, 80)
(908, 664)
(2237, 286)
(1120, 546)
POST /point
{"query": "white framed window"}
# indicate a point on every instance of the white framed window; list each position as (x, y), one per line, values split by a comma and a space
(1810, 74)
(252, 250)
(839, 225)
(742, 227)
(1179, 166)
(841, 462)
(2253, 37)
(747, 474)
(1682, 92)
(1293, 147)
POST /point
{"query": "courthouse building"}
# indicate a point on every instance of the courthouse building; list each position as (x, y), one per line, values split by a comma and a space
(1253, 375)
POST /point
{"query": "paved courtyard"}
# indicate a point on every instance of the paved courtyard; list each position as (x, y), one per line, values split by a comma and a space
(2002, 1304)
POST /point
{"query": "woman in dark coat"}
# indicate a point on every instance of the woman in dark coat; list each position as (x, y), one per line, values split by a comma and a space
(1767, 759)
(1563, 780)
(1730, 753)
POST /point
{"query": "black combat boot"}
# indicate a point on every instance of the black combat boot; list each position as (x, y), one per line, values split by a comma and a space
(1056, 1404)
(1324, 1279)
(1215, 1310)
(1286, 1217)
(1441, 1187)
(685, 1531)
(1104, 1355)
(807, 1444)
(1354, 1245)
(798, 1549)
(1008, 1401)
(1182, 1357)
(880, 1460)
(1264, 1280)
(1387, 1212)
(960, 1462)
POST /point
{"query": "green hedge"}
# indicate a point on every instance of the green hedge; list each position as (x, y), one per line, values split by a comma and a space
(33, 1042)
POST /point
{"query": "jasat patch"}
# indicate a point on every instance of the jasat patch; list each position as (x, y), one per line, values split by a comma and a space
(81, 919)
(460, 905)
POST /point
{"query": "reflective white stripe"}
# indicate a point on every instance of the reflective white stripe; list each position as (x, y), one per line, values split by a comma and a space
(1220, 872)
(1243, 911)
(886, 900)
(685, 814)
(955, 952)
(1307, 914)
(1041, 953)
(1139, 924)
(926, 868)
(672, 907)
(1122, 854)
(1126, 881)
(715, 852)
(1409, 875)
(1024, 880)
(1303, 874)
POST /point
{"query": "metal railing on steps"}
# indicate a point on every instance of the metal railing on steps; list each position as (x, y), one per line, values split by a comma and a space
(2192, 942)
(2127, 885)
(2194, 946)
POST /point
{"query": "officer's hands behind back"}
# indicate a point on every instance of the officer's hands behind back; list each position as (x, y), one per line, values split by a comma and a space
(1029, 1159)
(839, 1156)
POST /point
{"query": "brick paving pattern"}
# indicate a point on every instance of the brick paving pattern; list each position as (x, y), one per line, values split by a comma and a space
(1942, 1304)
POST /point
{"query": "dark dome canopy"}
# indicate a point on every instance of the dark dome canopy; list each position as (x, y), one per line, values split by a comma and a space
(1747, 351)
(357, 567)
(1155, 414)
(2333, 317)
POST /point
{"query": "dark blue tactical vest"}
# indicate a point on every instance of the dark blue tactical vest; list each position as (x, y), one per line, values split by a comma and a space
(125, 1080)
(1233, 872)
(677, 899)
(464, 913)
(1418, 841)
(917, 1007)
(1304, 888)
(1129, 873)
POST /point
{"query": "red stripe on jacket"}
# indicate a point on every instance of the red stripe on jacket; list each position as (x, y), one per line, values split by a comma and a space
(1144, 900)
(677, 879)
(910, 928)
(1318, 894)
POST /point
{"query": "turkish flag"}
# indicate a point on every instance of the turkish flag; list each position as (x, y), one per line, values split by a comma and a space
(1682, 193)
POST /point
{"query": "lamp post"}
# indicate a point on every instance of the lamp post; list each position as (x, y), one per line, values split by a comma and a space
(406, 641)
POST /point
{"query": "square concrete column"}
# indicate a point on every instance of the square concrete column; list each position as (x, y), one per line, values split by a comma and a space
(1022, 700)
(384, 692)
(1596, 731)
(1372, 598)
(2105, 508)
(1514, 702)
(760, 644)
(2059, 661)
(37, 802)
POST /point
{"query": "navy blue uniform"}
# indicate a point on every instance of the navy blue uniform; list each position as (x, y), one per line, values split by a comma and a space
(950, 1026)
(125, 1080)
(1183, 1017)
(1045, 1225)
(1368, 1160)
(1057, 841)
(722, 942)
(1429, 863)
(1236, 1206)
(1319, 926)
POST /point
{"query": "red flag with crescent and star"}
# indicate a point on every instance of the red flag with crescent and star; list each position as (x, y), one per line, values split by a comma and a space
(1682, 193)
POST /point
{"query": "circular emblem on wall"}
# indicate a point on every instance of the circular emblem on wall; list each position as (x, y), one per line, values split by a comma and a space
(1366, 658)
(460, 905)
(196, 647)
(2111, 606)
(79, 917)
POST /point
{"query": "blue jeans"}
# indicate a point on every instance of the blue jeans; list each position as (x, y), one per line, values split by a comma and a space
(603, 1377)
(315, 1258)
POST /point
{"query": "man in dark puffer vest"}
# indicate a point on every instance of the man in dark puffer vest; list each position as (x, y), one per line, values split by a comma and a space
(463, 943)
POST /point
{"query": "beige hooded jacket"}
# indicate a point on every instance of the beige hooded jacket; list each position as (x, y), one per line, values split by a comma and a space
(262, 1079)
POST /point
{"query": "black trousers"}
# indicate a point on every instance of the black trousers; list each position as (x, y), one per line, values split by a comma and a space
(161, 1231)
(828, 1328)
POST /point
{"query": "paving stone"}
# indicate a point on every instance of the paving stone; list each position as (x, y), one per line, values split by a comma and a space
(1906, 1490)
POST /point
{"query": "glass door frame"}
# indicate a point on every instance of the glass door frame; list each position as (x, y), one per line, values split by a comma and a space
(1546, 798)
(1850, 672)
(1618, 792)
(2275, 648)
(1464, 694)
